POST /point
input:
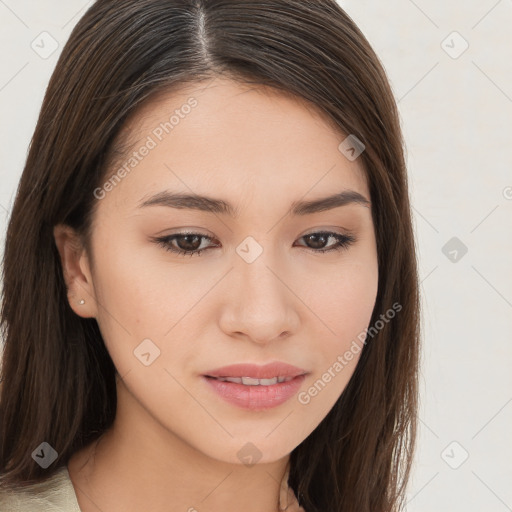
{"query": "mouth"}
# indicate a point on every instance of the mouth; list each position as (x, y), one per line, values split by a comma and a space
(250, 381)
(256, 387)
(254, 394)
(251, 374)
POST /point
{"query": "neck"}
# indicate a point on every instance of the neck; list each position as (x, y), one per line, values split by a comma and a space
(138, 465)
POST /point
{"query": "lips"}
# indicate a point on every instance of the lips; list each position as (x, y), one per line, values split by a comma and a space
(250, 374)
(249, 381)
(252, 397)
(254, 387)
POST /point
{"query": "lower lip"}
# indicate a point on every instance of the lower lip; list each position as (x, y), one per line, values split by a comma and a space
(256, 398)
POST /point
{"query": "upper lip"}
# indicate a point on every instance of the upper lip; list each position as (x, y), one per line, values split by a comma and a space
(268, 371)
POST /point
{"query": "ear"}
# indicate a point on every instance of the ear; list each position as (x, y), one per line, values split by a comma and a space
(76, 270)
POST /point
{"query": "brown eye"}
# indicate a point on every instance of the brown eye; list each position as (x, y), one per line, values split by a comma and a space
(317, 241)
(187, 243)
(190, 243)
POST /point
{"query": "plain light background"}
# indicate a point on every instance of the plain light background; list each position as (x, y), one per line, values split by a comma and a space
(450, 66)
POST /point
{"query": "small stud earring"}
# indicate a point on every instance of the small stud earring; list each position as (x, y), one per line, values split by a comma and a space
(82, 301)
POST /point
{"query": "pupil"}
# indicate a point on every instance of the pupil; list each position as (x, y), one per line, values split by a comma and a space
(318, 237)
(194, 246)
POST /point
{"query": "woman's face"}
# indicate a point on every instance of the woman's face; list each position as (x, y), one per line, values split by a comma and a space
(259, 292)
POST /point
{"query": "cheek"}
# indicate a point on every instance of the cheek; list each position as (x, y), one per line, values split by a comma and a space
(343, 313)
(344, 309)
(140, 300)
(127, 299)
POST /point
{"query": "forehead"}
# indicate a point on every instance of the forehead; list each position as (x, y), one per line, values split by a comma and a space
(225, 137)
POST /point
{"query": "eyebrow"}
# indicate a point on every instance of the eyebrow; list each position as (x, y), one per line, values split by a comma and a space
(213, 205)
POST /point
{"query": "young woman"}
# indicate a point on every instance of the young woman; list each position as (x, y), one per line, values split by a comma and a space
(210, 296)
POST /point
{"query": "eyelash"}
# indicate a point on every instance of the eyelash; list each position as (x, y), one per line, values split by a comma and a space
(344, 241)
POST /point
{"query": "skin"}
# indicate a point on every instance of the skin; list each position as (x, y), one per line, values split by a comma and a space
(174, 443)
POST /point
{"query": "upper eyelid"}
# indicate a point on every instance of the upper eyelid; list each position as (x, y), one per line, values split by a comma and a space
(343, 241)
(348, 234)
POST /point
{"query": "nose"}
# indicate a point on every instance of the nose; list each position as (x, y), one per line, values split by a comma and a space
(260, 304)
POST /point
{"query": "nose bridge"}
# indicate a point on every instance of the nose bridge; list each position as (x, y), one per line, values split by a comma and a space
(261, 303)
(255, 269)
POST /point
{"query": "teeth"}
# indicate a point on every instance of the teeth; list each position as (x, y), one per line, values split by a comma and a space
(249, 381)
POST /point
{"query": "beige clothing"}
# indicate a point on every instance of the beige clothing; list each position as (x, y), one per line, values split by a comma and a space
(56, 494)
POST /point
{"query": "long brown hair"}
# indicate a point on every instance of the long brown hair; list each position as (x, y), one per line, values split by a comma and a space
(59, 382)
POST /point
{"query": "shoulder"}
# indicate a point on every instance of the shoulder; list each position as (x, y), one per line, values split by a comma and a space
(56, 494)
